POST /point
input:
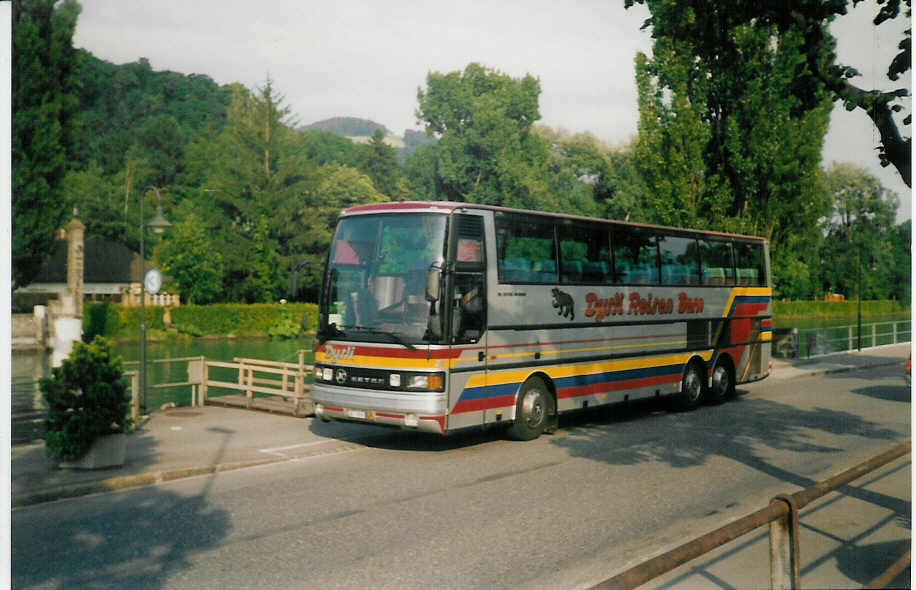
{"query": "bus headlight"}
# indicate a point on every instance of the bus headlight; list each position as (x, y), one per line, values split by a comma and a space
(428, 382)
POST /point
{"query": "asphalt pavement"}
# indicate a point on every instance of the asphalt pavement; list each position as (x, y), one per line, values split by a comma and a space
(189, 442)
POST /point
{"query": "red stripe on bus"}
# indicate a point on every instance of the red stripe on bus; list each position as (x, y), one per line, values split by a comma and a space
(579, 390)
(440, 420)
(484, 403)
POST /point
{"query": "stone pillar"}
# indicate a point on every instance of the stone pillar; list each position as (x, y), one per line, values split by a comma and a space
(75, 263)
(67, 315)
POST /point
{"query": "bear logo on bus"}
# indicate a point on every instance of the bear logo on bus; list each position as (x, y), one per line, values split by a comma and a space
(564, 303)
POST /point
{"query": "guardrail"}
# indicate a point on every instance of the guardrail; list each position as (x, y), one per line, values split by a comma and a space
(782, 515)
(808, 342)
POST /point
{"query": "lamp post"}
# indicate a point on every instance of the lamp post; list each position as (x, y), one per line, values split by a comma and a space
(158, 224)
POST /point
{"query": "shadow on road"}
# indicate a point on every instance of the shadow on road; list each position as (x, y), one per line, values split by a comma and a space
(132, 539)
(124, 540)
(737, 430)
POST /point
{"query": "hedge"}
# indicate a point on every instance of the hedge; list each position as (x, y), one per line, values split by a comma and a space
(226, 319)
(837, 309)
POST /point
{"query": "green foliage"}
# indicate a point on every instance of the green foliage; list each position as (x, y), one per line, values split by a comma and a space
(242, 320)
(707, 155)
(837, 309)
(100, 319)
(860, 242)
(729, 36)
(45, 79)
(87, 397)
(223, 319)
(382, 165)
(191, 261)
(324, 147)
(486, 151)
(256, 176)
(121, 105)
(289, 325)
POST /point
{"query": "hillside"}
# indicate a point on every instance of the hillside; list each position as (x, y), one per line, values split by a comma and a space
(348, 126)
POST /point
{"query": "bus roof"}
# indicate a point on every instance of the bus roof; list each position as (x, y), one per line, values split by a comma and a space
(449, 206)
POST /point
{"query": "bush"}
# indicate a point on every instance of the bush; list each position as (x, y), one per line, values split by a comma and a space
(100, 319)
(837, 309)
(87, 398)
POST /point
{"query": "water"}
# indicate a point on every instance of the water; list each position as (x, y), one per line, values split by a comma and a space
(27, 405)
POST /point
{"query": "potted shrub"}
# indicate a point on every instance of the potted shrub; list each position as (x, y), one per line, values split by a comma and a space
(88, 408)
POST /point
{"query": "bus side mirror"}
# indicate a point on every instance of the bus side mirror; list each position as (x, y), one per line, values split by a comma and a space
(433, 280)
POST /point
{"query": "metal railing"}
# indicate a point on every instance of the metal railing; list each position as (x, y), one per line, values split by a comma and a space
(782, 515)
(808, 342)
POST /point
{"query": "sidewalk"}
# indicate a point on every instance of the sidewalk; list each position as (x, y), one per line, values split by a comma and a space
(892, 354)
(187, 442)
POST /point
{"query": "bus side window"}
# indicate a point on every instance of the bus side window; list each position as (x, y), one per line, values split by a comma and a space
(525, 247)
(749, 264)
(680, 263)
(584, 254)
(635, 257)
(716, 262)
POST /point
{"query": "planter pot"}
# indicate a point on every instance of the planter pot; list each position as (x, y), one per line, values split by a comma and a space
(106, 451)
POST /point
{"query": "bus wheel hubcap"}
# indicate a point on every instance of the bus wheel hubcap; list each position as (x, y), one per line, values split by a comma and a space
(692, 385)
(533, 407)
(720, 380)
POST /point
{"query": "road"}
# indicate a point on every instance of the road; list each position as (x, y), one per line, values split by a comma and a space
(471, 511)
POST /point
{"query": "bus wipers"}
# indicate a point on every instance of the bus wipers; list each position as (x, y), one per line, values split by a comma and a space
(393, 335)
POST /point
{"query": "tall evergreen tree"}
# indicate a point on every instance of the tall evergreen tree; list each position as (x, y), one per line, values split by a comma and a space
(382, 164)
(45, 79)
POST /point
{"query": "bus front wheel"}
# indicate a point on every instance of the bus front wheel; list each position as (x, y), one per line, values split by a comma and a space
(533, 410)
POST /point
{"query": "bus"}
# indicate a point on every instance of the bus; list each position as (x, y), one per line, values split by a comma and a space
(442, 316)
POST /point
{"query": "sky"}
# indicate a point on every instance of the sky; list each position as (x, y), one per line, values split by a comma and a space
(367, 59)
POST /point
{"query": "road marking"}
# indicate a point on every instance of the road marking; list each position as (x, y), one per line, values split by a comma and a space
(337, 446)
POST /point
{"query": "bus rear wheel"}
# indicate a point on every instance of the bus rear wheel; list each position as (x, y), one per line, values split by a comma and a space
(691, 393)
(722, 386)
(533, 410)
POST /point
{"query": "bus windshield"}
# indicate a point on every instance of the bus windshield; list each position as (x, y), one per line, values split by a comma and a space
(376, 278)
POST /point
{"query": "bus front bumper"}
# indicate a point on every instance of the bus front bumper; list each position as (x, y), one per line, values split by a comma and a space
(425, 411)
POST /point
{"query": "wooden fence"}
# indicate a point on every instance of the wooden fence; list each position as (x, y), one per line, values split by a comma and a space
(273, 386)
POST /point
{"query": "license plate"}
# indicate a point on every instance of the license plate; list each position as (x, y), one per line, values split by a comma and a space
(358, 414)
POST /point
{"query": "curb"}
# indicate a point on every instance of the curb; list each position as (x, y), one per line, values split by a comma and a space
(124, 482)
(817, 372)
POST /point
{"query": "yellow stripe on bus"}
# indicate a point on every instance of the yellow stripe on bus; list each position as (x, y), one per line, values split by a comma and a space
(746, 292)
(497, 377)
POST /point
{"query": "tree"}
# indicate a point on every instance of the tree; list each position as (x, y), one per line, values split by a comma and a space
(726, 141)
(486, 151)
(190, 259)
(705, 27)
(382, 164)
(45, 79)
(254, 169)
(858, 234)
(673, 139)
(336, 188)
